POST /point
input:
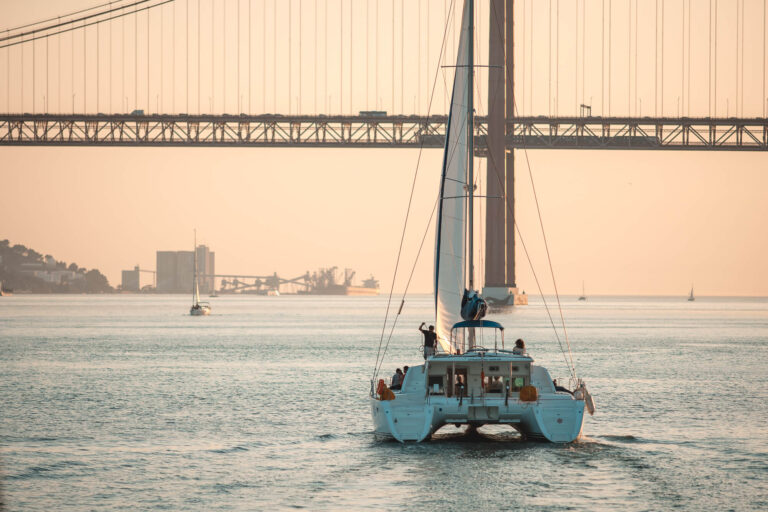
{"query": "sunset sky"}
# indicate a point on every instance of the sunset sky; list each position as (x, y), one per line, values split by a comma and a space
(624, 222)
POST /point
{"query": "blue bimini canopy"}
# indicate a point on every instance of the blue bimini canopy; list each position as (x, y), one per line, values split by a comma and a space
(478, 323)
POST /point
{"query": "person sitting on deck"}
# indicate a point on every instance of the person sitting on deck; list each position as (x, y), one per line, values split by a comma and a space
(397, 379)
(405, 372)
(519, 348)
(430, 340)
(560, 388)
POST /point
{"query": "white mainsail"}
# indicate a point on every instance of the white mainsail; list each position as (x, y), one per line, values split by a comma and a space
(450, 242)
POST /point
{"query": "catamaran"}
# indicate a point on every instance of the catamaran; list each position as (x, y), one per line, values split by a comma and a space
(198, 308)
(583, 295)
(472, 379)
(691, 298)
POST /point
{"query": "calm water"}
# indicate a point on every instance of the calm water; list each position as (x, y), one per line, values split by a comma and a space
(122, 402)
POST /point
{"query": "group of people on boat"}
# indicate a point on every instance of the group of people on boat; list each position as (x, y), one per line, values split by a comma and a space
(430, 342)
(397, 379)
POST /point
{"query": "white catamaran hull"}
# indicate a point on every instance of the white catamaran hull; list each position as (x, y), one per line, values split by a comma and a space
(415, 415)
(557, 418)
(201, 311)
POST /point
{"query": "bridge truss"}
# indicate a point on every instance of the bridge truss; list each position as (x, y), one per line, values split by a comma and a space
(270, 130)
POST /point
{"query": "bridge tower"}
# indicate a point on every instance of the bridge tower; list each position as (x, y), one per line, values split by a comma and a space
(500, 286)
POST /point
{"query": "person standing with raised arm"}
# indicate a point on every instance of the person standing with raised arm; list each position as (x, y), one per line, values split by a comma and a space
(430, 340)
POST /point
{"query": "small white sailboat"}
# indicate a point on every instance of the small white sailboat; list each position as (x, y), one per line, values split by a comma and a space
(472, 379)
(691, 298)
(198, 308)
(583, 295)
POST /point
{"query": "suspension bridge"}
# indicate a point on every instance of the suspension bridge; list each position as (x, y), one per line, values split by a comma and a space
(344, 73)
(551, 74)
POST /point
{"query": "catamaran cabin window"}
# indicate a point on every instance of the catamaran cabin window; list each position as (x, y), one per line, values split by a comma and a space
(435, 384)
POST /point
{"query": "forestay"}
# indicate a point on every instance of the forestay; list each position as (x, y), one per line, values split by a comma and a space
(450, 243)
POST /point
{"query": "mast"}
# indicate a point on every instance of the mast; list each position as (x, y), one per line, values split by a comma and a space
(194, 279)
(471, 146)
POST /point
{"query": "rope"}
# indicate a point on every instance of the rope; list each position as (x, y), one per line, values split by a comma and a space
(569, 359)
(379, 354)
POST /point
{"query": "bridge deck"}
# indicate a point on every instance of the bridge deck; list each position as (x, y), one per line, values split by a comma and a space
(273, 130)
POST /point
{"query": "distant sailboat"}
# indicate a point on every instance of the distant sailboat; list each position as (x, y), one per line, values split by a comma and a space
(198, 308)
(583, 295)
(691, 298)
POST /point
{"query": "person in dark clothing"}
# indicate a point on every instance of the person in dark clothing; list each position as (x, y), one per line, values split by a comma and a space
(430, 339)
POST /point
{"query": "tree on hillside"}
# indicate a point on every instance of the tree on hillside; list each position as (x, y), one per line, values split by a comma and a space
(96, 282)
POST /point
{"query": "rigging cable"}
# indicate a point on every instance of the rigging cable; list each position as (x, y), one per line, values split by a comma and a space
(571, 366)
(379, 354)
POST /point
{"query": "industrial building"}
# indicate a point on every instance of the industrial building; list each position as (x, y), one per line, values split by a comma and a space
(131, 281)
(175, 270)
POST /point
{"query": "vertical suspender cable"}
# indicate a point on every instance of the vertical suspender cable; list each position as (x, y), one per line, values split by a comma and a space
(161, 51)
(148, 102)
(709, 64)
(530, 60)
(575, 61)
(199, 51)
(610, 51)
(736, 74)
(239, 98)
(688, 79)
(583, 51)
(223, 40)
(662, 58)
(402, 56)
(522, 88)
(714, 84)
(213, 57)
(341, 59)
(47, 81)
(418, 82)
(274, 54)
(629, 58)
(637, 15)
(58, 77)
(741, 104)
(602, 65)
(351, 48)
(21, 75)
(314, 65)
(549, 58)
(298, 100)
(682, 55)
(656, 62)
(85, 69)
(72, 73)
(393, 57)
(290, 55)
(110, 66)
(763, 99)
(325, 53)
(173, 59)
(186, 68)
(8, 74)
(34, 93)
(376, 53)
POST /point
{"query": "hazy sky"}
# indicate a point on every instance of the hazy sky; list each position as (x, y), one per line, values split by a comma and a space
(624, 222)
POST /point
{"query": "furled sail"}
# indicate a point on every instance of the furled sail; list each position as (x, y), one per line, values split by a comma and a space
(450, 242)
